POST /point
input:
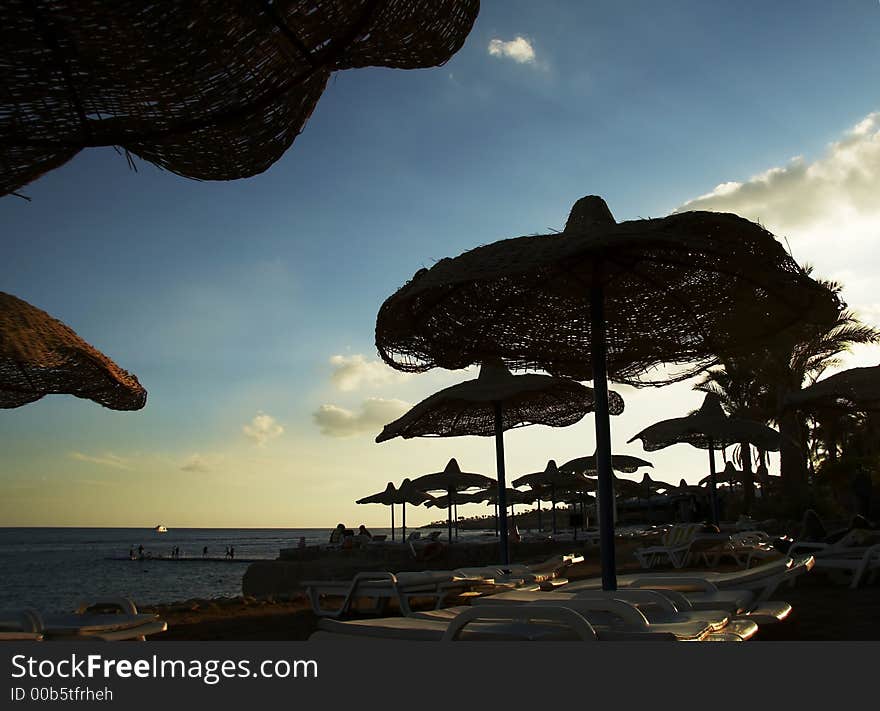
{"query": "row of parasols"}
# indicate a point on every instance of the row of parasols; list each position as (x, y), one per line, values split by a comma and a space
(498, 400)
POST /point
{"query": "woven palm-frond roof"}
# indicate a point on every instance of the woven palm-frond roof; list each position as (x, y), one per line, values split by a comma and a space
(208, 89)
(619, 462)
(40, 356)
(468, 408)
(708, 427)
(684, 289)
(853, 389)
(386, 497)
(452, 478)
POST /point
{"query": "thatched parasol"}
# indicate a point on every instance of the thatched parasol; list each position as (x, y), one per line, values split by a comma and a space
(685, 289)
(451, 479)
(406, 494)
(588, 466)
(492, 403)
(554, 480)
(853, 389)
(708, 428)
(40, 356)
(207, 89)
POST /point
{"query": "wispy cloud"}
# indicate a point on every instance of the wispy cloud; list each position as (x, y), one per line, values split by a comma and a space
(108, 459)
(262, 429)
(355, 371)
(519, 49)
(374, 413)
(198, 463)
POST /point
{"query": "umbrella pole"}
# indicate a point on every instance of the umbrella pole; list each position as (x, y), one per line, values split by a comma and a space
(495, 510)
(605, 494)
(540, 527)
(502, 491)
(449, 513)
(403, 536)
(553, 504)
(392, 523)
(713, 495)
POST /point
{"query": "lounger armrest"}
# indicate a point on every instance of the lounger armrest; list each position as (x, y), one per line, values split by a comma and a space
(626, 611)
(641, 595)
(675, 583)
(120, 604)
(569, 617)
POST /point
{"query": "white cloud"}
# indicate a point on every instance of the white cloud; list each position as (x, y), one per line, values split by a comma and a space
(198, 463)
(108, 459)
(262, 429)
(519, 49)
(374, 414)
(355, 371)
(827, 209)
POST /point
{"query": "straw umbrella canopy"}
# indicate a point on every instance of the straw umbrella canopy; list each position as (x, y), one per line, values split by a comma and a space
(708, 428)
(853, 389)
(389, 497)
(451, 479)
(685, 289)
(208, 90)
(492, 403)
(588, 466)
(550, 478)
(40, 356)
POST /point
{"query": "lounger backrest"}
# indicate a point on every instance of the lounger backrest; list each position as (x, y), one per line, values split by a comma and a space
(681, 534)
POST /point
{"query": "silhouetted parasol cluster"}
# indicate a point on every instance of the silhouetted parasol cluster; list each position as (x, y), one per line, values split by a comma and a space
(207, 89)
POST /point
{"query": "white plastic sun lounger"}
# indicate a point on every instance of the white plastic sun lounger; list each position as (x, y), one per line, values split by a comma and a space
(20, 626)
(105, 620)
(593, 620)
(674, 547)
(762, 580)
(108, 620)
(861, 563)
(656, 604)
(382, 587)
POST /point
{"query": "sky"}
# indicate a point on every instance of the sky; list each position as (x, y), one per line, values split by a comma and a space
(247, 308)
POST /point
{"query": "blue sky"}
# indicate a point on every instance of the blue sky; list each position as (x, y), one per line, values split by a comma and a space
(247, 308)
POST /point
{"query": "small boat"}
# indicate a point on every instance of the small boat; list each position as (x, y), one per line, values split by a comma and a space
(160, 529)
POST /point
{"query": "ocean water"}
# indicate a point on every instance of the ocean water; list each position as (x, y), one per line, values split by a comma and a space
(52, 569)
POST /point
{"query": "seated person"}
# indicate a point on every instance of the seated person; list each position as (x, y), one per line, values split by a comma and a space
(337, 534)
(363, 533)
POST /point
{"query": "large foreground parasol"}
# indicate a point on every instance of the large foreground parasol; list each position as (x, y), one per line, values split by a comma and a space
(207, 89)
(686, 289)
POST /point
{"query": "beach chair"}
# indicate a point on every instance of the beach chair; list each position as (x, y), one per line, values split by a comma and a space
(762, 580)
(860, 563)
(108, 620)
(588, 620)
(663, 603)
(674, 547)
(381, 587)
(20, 626)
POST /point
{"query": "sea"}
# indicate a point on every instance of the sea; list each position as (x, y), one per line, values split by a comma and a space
(53, 569)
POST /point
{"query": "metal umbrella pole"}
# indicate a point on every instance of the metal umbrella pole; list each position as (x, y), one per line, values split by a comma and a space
(502, 485)
(605, 493)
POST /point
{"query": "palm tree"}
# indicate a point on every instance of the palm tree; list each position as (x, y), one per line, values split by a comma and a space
(756, 386)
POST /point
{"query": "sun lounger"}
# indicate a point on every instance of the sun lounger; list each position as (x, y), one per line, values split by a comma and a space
(762, 580)
(382, 587)
(674, 547)
(666, 603)
(105, 620)
(20, 626)
(861, 563)
(592, 620)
